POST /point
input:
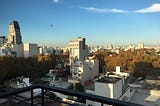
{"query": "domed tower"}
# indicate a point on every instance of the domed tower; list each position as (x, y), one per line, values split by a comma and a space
(14, 36)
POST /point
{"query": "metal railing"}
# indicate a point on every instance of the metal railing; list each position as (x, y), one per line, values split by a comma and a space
(86, 96)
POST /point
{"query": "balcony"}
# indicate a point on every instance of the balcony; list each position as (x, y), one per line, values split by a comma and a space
(42, 99)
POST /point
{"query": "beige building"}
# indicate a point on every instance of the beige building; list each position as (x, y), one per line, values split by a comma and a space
(140, 45)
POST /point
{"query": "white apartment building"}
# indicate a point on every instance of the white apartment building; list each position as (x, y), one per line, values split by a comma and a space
(85, 70)
(110, 87)
(30, 50)
(78, 50)
(82, 68)
(140, 45)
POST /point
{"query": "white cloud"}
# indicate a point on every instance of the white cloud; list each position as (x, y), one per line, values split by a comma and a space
(103, 10)
(152, 9)
(55, 1)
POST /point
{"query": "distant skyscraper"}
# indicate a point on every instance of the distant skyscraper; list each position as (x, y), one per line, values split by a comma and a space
(140, 45)
(14, 36)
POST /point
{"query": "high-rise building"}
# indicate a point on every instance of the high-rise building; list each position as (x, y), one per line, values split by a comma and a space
(14, 36)
(78, 49)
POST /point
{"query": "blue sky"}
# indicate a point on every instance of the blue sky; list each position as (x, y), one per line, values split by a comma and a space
(99, 21)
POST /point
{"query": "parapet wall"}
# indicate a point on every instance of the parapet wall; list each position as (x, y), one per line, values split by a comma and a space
(149, 92)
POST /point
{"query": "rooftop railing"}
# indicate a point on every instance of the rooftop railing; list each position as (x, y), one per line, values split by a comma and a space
(42, 96)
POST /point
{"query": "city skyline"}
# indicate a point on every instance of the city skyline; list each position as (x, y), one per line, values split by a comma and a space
(55, 22)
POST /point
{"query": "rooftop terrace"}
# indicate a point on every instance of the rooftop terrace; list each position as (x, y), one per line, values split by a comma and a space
(108, 80)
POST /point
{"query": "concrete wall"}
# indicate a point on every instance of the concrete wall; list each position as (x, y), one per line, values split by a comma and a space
(127, 94)
(117, 89)
(149, 92)
(109, 89)
(89, 102)
(18, 48)
(90, 70)
(104, 89)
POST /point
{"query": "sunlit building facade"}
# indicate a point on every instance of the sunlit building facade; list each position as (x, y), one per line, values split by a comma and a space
(14, 36)
(30, 50)
(78, 50)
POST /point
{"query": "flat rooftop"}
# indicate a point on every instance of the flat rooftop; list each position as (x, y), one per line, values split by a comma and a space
(108, 80)
(145, 99)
